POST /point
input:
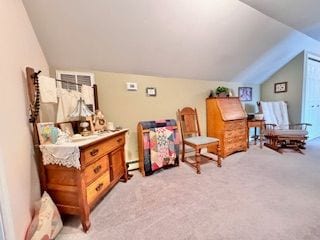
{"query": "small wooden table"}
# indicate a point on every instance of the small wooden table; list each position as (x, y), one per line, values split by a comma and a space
(256, 124)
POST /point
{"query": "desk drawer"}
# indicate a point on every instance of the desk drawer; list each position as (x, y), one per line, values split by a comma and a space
(235, 142)
(97, 187)
(231, 148)
(96, 169)
(235, 125)
(235, 134)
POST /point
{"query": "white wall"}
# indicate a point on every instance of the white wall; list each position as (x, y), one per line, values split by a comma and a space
(19, 185)
(293, 74)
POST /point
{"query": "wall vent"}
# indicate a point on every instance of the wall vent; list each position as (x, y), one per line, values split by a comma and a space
(68, 77)
(74, 77)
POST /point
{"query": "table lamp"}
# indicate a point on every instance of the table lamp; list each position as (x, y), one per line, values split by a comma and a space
(82, 112)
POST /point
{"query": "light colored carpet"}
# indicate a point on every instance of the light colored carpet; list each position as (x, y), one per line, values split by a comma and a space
(258, 194)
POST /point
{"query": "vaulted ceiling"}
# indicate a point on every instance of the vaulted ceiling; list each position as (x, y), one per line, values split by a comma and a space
(302, 15)
(223, 40)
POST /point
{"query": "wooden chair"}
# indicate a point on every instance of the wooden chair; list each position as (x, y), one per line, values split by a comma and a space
(278, 132)
(191, 136)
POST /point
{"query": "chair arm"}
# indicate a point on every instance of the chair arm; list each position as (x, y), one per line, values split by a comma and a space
(307, 124)
(299, 126)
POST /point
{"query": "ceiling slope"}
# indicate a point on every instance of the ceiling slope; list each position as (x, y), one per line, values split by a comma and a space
(301, 15)
(277, 57)
(211, 40)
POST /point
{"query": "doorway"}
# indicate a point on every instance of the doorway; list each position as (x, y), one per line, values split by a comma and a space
(311, 103)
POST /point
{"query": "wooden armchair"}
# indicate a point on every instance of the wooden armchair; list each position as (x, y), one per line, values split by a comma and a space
(278, 132)
(191, 136)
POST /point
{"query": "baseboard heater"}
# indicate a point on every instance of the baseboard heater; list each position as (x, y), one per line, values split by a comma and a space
(133, 165)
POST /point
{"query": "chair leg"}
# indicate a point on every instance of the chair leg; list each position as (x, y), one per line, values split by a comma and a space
(273, 143)
(182, 155)
(219, 155)
(198, 161)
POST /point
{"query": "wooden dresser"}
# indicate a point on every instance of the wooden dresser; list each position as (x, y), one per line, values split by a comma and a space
(77, 191)
(227, 121)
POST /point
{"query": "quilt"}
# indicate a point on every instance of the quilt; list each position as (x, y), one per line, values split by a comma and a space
(161, 145)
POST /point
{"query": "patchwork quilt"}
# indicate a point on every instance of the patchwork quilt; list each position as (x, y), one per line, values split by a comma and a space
(161, 145)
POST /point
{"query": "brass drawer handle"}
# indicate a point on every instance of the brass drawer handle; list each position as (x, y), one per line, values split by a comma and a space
(98, 188)
(97, 169)
(94, 152)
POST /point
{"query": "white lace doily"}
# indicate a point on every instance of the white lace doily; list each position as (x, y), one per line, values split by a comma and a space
(64, 155)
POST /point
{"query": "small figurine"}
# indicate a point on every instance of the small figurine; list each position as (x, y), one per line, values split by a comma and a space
(100, 124)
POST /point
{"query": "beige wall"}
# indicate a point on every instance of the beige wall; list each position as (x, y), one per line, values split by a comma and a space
(126, 108)
(19, 185)
(293, 74)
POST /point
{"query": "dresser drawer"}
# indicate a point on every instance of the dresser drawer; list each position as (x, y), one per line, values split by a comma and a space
(113, 143)
(97, 187)
(236, 124)
(96, 169)
(94, 152)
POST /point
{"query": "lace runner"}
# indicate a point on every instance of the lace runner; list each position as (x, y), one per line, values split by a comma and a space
(66, 155)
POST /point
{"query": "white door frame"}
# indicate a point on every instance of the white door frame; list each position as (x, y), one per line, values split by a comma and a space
(307, 54)
(305, 63)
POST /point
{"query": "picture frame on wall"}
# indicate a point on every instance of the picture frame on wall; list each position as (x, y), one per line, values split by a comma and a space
(245, 93)
(281, 87)
(151, 91)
